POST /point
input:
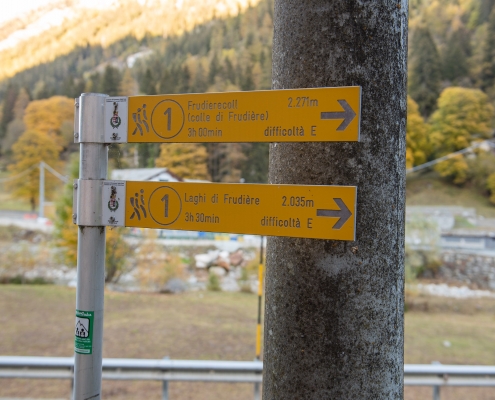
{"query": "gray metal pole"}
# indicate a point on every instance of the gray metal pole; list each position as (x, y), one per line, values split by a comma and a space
(90, 250)
(41, 213)
(334, 309)
(165, 385)
(436, 388)
(436, 392)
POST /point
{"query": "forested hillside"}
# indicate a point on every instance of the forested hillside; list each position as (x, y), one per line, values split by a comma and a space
(132, 50)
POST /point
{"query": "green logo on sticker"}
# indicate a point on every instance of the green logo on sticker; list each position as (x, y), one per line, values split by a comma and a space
(83, 343)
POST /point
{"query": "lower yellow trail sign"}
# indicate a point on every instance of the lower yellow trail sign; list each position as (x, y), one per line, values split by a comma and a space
(318, 212)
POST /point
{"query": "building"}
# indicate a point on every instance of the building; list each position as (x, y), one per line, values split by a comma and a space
(145, 174)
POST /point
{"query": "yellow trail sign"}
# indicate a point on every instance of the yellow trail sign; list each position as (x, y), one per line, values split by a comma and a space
(293, 115)
(319, 212)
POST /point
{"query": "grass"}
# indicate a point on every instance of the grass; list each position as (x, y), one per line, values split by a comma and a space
(429, 190)
(38, 321)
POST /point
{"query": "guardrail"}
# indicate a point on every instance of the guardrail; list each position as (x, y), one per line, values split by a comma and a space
(166, 370)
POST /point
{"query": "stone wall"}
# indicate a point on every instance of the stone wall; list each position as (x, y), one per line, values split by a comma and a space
(471, 268)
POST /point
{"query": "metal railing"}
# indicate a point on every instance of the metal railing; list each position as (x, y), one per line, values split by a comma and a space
(166, 370)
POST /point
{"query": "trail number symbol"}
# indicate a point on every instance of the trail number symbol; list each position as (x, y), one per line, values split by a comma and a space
(162, 122)
(169, 121)
(165, 200)
(164, 205)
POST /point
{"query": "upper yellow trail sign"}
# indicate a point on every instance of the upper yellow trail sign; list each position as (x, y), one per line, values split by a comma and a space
(292, 115)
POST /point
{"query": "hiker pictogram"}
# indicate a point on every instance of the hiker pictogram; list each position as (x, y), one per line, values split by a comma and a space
(140, 121)
(137, 203)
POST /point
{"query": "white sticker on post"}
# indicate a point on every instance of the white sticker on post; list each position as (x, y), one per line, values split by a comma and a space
(116, 120)
(113, 203)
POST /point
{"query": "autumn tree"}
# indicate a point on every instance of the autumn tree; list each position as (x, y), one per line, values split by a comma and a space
(31, 148)
(187, 160)
(418, 146)
(48, 116)
(463, 116)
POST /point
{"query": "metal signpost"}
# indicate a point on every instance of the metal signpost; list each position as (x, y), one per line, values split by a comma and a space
(93, 167)
(318, 212)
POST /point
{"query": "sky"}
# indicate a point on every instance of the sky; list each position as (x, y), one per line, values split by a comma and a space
(13, 8)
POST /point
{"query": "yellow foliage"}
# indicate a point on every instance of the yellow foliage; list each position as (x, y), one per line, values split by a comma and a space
(417, 143)
(31, 148)
(187, 160)
(463, 116)
(48, 116)
(455, 168)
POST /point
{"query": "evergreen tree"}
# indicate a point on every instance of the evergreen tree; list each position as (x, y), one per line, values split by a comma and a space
(424, 71)
(455, 60)
(72, 87)
(247, 82)
(184, 79)
(215, 69)
(167, 82)
(255, 167)
(487, 78)
(42, 90)
(481, 12)
(16, 127)
(8, 108)
(128, 85)
(200, 83)
(111, 81)
(229, 71)
(93, 84)
(147, 83)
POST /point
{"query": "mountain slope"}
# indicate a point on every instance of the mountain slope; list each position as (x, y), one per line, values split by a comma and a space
(68, 25)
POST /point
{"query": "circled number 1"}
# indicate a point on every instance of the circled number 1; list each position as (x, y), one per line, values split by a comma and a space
(168, 113)
(165, 200)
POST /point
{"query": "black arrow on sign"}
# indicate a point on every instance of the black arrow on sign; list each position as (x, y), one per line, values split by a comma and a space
(347, 115)
(344, 213)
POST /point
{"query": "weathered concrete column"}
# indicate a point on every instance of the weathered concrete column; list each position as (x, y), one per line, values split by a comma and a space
(334, 310)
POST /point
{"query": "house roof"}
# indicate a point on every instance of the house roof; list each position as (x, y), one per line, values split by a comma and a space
(143, 174)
